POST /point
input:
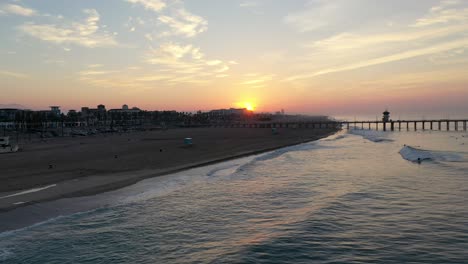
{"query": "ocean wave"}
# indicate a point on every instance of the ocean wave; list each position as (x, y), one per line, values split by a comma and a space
(280, 152)
(335, 137)
(417, 155)
(225, 170)
(372, 135)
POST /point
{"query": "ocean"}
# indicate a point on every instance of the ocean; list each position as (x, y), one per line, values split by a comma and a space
(359, 196)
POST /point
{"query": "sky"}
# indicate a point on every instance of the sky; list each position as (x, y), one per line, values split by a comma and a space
(335, 57)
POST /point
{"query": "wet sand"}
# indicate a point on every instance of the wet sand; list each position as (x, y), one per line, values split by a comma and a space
(80, 166)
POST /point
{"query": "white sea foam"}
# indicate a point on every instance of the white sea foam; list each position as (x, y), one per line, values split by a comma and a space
(372, 135)
(415, 155)
(164, 185)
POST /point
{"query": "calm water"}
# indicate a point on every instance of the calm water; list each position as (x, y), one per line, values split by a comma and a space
(350, 198)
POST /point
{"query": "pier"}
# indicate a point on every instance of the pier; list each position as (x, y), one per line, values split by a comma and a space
(398, 125)
(440, 124)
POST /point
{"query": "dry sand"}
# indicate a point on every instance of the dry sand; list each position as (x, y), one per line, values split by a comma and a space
(69, 167)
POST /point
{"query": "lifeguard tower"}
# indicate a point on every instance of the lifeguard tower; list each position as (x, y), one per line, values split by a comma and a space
(386, 116)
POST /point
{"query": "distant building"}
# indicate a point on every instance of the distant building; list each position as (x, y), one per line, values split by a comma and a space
(55, 110)
(125, 109)
(71, 112)
(386, 116)
(85, 111)
(94, 114)
(280, 113)
(101, 108)
(8, 114)
(229, 112)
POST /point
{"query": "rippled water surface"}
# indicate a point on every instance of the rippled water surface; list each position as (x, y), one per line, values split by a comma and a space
(358, 197)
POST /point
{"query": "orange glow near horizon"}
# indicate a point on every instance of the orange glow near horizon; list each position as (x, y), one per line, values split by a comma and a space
(249, 106)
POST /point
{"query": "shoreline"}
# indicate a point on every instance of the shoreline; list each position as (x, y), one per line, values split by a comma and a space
(96, 184)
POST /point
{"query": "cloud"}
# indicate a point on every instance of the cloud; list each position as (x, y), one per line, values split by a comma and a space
(351, 50)
(168, 53)
(183, 23)
(84, 33)
(134, 22)
(153, 77)
(315, 16)
(349, 41)
(444, 13)
(197, 54)
(13, 74)
(92, 72)
(249, 4)
(95, 66)
(17, 10)
(214, 62)
(252, 6)
(386, 59)
(256, 80)
(408, 80)
(154, 5)
(180, 21)
(185, 62)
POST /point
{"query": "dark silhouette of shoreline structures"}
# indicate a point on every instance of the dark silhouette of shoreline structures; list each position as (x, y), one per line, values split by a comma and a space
(88, 121)
(19, 123)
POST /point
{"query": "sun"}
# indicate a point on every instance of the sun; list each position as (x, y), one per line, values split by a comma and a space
(249, 106)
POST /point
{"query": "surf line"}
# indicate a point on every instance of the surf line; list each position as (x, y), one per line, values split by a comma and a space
(29, 191)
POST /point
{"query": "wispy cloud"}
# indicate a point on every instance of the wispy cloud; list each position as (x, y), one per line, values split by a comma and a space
(349, 41)
(168, 53)
(178, 20)
(386, 59)
(134, 22)
(411, 80)
(154, 5)
(315, 15)
(446, 12)
(249, 4)
(93, 66)
(17, 10)
(252, 6)
(444, 28)
(90, 72)
(257, 80)
(13, 74)
(86, 33)
(185, 60)
(183, 23)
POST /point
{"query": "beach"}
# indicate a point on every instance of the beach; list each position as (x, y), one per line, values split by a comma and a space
(79, 166)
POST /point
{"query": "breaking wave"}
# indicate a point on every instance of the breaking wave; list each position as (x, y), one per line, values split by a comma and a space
(372, 135)
(418, 155)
